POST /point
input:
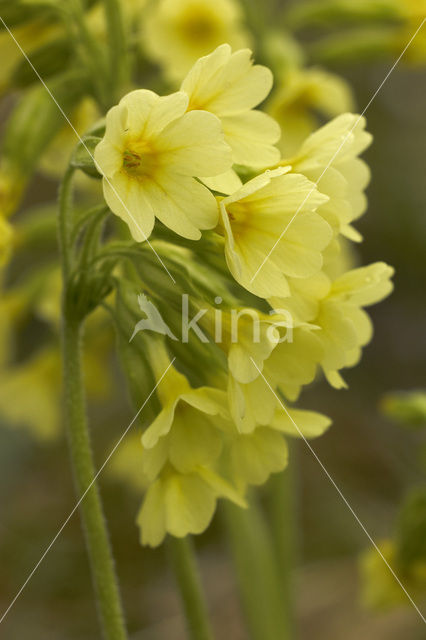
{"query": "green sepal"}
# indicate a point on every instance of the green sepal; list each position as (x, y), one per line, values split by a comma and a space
(133, 355)
(83, 156)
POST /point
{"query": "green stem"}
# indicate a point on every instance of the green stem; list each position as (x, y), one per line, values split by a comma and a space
(258, 576)
(92, 53)
(97, 541)
(65, 222)
(185, 568)
(119, 60)
(281, 507)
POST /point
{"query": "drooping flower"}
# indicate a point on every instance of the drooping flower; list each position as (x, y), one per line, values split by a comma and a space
(329, 157)
(343, 327)
(29, 394)
(176, 34)
(252, 456)
(178, 453)
(272, 231)
(301, 94)
(150, 155)
(230, 86)
(182, 504)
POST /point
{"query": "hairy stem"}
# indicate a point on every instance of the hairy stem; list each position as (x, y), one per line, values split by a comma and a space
(94, 525)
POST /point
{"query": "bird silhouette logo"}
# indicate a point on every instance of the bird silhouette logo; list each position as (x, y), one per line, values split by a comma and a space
(153, 320)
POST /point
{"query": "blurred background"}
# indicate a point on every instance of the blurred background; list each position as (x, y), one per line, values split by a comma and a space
(373, 460)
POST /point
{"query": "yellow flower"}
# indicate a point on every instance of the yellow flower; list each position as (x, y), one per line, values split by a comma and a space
(6, 239)
(178, 32)
(329, 157)
(230, 86)
(149, 156)
(415, 9)
(291, 365)
(335, 308)
(253, 456)
(246, 335)
(181, 503)
(380, 590)
(264, 240)
(305, 296)
(30, 394)
(301, 95)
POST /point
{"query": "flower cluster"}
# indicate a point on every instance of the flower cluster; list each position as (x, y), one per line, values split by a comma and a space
(204, 158)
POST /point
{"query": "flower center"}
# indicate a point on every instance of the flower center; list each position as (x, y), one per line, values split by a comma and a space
(138, 163)
(199, 27)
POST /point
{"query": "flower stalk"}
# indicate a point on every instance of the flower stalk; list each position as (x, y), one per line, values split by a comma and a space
(185, 569)
(94, 525)
(260, 586)
(119, 59)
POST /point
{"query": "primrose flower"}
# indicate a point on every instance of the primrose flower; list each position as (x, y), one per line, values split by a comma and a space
(291, 365)
(29, 393)
(185, 434)
(343, 327)
(247, 336)
(230, 86)
(182, 503)
(178, 451)
(329, 157)
(301, 94)
(380, 590)
(149, 157)
(178, 33)
(253, 456)
(264, 240)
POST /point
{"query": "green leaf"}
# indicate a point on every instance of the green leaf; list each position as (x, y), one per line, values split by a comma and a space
(49, 59)
(37, 119)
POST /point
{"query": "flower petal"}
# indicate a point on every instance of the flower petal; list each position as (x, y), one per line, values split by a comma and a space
(126, 198)
(251, 136)
(194, 145)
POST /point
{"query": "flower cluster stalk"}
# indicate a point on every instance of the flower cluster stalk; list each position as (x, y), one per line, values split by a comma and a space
(188, 580)
(94, 525)
(258, 575)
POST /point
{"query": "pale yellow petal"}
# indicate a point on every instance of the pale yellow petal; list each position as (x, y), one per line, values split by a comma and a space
(226, 183)
(183, 204)
(160, 426)
(194, 145)
(126, 198)
(138, 105)
(190, 503)
(255, 456)
(152, 517)
(300, 423)
(251, 136)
